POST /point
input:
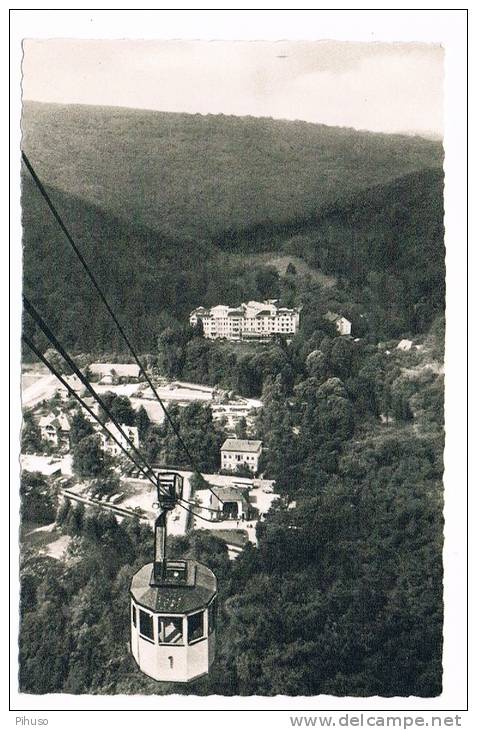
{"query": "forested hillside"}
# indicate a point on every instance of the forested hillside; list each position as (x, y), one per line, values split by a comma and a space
(183, 174)
(170, 194)
(386, 245)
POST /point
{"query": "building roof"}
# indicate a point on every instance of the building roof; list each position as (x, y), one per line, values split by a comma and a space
(334, 317)
(250, 310)
(232, 494)
(235, 312)
(124, 370)
(404, 345)
(270, 305)
(73, 381)
(59, 421)
(175, 598)
(242, 445)
(91, 402)
(130, 431)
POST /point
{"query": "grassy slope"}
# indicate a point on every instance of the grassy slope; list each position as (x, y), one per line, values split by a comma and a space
(205, 175)
(280, 262)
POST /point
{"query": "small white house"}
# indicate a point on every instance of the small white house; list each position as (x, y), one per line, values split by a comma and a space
(404, 345)
(343, 325)
(55, 429)
(228, 502)
(110, 446)
(236, 453)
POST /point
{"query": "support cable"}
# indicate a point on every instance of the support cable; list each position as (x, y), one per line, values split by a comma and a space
(199, 517)
(75, 395)
(90, 274)
(58, 346)
(201, 506)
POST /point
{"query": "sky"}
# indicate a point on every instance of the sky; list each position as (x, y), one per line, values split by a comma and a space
(382, 87)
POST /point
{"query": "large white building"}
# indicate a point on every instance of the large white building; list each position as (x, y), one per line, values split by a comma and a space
(236, 453)
(252, 320)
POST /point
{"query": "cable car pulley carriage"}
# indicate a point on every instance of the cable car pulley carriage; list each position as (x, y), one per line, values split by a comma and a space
(173, 605)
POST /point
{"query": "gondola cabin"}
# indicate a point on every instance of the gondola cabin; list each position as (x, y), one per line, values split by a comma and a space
(173, 613)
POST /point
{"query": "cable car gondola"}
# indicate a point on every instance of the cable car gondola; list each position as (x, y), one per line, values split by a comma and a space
(173, 605)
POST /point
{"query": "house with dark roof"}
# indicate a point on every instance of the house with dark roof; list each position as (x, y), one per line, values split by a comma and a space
(112, 373)
(227, 502)
(343, 325)
(237, 453)
(74, 383)
(234, 503)
(55, 429)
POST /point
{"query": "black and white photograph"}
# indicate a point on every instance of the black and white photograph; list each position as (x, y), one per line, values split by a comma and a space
(233, 367)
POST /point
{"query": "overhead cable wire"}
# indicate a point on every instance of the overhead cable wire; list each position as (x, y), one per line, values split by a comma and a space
(201, 506)
(102, 296)
(199, 517)
(58, 346)
(76, 395)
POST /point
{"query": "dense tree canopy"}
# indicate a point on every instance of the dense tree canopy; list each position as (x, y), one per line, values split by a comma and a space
(37, 502)
(80, 427)
(31, 434)
(212, 175)
(120, 408)
(89, 459)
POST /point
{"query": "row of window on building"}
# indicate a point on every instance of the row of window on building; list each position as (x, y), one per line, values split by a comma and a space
(240, 457)
(249, 320)
(175, 630)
